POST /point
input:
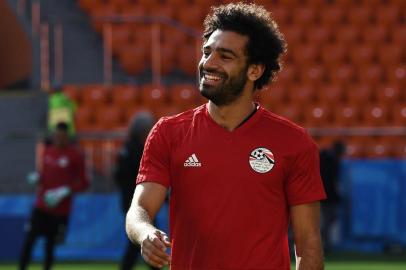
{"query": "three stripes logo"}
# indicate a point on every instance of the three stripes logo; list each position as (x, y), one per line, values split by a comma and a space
(192, 161)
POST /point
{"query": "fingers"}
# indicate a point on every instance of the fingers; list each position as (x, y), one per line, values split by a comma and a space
(153, 249)
(164, 238)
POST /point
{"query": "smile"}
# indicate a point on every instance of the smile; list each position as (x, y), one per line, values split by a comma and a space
(211, 77)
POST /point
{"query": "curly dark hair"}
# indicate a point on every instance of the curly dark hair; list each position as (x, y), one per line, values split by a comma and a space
(266, 44)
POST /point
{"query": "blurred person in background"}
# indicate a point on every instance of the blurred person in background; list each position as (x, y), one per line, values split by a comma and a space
(238, 174)
(126, 170)
(60, 109)
(330, 162)
(62, 173)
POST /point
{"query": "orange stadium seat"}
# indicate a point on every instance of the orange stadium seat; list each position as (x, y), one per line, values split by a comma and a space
(359, 15)
(183, 96)
(153, 95)
(304, 15)
(363, 54)
(178, 3)
(73, 92)
(273, 95)
(121, 35)
(370, 3)
(110, 117)
(204, 2)
(187, 59)
(342, 74)
(313, 74)
(132, 9)
(292, 112)
(317, 115)
(318, 35)
(88, 5)
(99, 15)
(149, 4)
(134, 58)
(388, 94)
(360, 93)
(293, 34)
(165, 110)
(124, 95)
(378, 148)
(397, 3)
(375, 34)
(302, 94)
(143, 34)
(372, 74)
(281, 14)
(343, 3)
(288, 74)
(190, 15)
(375, 115)
(396, 74)
(305, 54)
(391, 54)
(346, 115)
(84, 118)
(166, 11)
(398, 35)
(398, 114)
(347, 34)
(388, 15)
(167, 57)
(332, 16)
(171, 34)
(330, 94)
(399, 147)
(95, 95)
(119, 2)
(334, 54)
(355, 147)
(130, 111)
(315, 3)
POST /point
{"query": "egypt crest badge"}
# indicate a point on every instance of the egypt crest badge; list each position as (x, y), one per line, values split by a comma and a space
(261, 160)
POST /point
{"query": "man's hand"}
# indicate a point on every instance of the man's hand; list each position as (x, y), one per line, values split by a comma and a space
(153, 249)
(54, 196)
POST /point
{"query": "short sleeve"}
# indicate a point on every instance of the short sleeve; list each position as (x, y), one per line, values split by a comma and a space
(154, 166)
(304, 184)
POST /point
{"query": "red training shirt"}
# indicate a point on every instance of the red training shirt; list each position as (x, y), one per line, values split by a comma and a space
(61, 167)
(231, 191)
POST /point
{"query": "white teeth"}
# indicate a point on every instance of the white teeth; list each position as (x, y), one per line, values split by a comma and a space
(212, 77)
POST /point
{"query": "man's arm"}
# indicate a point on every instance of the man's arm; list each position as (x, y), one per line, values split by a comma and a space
(305, 220)
(147, 200)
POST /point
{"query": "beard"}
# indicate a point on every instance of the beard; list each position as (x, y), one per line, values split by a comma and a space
(226, 92)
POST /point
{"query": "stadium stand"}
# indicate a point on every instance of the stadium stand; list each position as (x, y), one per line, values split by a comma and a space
(342, 54)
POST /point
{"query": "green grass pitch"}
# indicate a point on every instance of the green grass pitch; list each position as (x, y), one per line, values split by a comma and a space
(340, 262)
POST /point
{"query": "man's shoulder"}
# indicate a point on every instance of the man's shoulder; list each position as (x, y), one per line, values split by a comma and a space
(182, 119)
(295, 138)
(281, 123)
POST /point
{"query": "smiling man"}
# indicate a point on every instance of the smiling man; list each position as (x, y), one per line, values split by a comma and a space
(238, 174)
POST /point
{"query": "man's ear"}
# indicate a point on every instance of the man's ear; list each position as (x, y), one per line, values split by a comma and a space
(255, 71)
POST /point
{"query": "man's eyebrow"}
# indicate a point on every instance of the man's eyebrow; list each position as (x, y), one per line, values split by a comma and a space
(225, 50)
(222, 49)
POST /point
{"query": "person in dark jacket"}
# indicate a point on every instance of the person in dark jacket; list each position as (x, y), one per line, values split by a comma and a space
(126, 172)
(330, 162)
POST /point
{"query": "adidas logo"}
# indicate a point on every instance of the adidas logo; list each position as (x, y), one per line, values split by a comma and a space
(192, 161)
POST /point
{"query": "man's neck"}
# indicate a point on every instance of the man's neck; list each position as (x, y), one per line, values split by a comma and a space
(232, 115)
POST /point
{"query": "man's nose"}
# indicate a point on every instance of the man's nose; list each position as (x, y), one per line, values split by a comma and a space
(211, 62)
